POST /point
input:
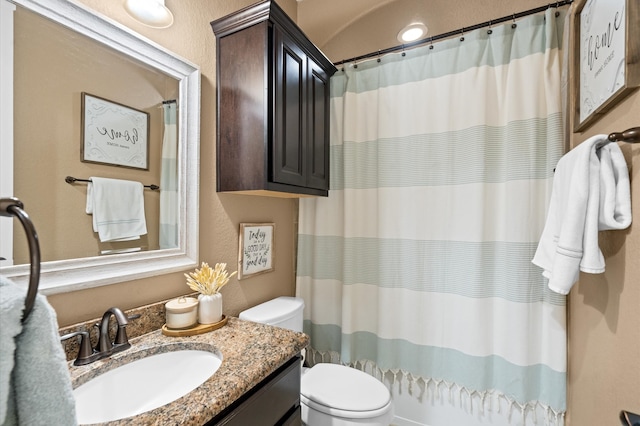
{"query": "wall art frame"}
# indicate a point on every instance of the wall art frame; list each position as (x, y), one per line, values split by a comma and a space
(607, 58)
(256, 251)
(113, 133)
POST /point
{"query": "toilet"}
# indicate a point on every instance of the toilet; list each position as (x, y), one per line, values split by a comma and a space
(330, 394)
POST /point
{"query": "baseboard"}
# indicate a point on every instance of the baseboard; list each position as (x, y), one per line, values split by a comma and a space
(400, 421)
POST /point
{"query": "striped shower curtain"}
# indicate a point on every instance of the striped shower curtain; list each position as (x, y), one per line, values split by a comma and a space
(169, 178)
(418, 264)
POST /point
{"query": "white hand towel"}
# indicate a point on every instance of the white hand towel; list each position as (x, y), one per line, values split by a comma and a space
(590, 193)
(35, 384)
(615, 189)
(117, 207)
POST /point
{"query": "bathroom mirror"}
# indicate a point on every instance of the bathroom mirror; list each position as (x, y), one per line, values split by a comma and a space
(157, 68)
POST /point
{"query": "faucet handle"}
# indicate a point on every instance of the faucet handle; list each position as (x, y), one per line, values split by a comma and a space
(85, 353)
(96, 348)
(121, 334)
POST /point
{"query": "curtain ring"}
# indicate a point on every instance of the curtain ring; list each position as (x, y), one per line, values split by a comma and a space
(378, 56)
(431, 45)
(403, 52)
(514, 21)
(557, 11)
(462, 32)
(489, 31)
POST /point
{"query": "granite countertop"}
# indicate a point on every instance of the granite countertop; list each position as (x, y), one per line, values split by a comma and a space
(250, 353)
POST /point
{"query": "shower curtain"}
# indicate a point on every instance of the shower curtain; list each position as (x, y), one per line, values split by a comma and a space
(418, 264)
(169, 179)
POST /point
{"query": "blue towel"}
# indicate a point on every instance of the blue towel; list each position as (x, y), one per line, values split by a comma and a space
(35, 384)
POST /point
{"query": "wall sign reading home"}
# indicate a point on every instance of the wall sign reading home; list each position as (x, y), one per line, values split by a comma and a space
(114, 134)
(256, 249)
(608, 67)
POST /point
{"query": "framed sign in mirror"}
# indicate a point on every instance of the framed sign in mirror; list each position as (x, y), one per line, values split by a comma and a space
(607, 65)
(114, 134)
(255, 255)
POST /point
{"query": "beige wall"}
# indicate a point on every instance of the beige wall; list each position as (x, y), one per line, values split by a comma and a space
(604, 310)
(220, 214)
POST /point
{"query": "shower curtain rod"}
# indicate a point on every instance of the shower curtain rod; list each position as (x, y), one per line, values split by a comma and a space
(460, 31)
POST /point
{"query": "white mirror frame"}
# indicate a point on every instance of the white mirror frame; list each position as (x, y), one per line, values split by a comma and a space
(76, 274)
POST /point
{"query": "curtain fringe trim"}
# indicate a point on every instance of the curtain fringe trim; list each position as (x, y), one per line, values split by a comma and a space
(421, 387)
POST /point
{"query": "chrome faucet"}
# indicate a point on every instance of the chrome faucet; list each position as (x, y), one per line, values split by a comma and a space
(105, 345)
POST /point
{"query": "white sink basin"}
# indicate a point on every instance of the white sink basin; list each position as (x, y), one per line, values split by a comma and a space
(143, 385)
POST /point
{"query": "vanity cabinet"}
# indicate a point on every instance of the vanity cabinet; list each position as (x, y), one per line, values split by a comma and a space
(273, 105)
(274, 401)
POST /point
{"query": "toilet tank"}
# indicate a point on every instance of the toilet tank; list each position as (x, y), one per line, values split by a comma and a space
(284, 312)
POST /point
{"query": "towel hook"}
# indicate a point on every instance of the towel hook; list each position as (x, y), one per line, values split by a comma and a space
(14, 207)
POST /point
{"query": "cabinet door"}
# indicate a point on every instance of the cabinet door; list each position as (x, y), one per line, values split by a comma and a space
(317, 127)
(288, 153)
(274, 401)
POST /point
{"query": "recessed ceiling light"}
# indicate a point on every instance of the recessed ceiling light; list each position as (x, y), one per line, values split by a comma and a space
(412, 32)
(152, 13)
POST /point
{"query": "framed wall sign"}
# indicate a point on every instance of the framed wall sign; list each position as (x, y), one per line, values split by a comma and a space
(114, 134)
(607, 66)
(256, 252)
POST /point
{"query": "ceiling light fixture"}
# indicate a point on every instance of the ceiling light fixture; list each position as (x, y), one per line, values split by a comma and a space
(412, 32)
(152, 13)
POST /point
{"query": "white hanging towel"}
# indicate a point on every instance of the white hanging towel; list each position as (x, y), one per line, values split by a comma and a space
(591, 193)
(117, 207)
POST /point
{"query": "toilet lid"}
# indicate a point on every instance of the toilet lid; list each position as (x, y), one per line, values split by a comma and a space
(337, 387)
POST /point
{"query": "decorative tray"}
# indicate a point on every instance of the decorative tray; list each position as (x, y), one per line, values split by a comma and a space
(196, 329)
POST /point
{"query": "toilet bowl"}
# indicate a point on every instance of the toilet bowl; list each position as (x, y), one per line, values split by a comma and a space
(330, 394)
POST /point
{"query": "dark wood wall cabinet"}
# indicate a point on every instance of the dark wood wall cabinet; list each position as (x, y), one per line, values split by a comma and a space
(273, 105)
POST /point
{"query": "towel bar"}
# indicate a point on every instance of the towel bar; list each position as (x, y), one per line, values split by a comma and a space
(631, 135)
(71, 179)
(14, 207)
